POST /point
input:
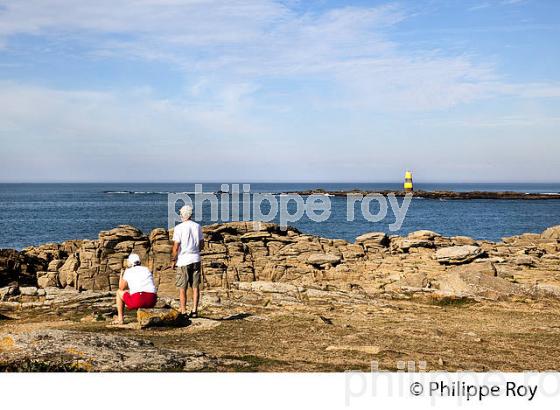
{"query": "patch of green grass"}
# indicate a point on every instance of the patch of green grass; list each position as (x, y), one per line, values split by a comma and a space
(452, 302)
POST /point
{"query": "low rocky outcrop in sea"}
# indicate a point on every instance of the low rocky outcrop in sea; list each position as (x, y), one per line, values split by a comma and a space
(442, 195)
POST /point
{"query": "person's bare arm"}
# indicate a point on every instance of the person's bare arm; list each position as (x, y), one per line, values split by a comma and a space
(201, 239)
(123, 284)
(174, 254)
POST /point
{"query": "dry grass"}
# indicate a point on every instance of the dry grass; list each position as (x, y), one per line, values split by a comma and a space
(502, 336)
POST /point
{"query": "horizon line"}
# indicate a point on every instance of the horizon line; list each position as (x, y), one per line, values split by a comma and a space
(279, 182)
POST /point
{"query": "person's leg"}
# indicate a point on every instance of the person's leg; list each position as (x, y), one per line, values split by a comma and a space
(183, 300)
(195, 292)
(194, 282)
(153, 302)
(120, 305)
(180, 283)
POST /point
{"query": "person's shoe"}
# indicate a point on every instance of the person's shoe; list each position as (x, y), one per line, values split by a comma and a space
(194, 314)
(117, 321)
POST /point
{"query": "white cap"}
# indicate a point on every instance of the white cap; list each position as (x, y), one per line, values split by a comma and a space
(133, 259)
(186, 212)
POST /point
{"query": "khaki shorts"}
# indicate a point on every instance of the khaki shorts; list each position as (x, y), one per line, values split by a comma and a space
(188, 276)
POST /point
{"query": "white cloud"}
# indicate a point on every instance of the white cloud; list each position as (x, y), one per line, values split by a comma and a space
(92, 118)
(246, 42)
(485, 5)
(211, 20)
(480, 6)
(258, 71)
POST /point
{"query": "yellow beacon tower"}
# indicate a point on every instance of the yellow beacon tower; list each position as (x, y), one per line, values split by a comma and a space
(408, 182)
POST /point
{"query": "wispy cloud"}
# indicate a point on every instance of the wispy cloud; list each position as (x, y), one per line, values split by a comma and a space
(480, 6)
(103, 116)
(486, 5)
(78, 133)
(249, 41)
(255, 73)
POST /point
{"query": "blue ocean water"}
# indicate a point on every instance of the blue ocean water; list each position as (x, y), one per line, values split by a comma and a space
(32, 214)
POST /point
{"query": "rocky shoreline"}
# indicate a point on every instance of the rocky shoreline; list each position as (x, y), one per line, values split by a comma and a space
(264, 285)
(443, 195)
(245, 252)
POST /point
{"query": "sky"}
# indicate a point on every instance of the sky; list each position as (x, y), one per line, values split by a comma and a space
(267, 91)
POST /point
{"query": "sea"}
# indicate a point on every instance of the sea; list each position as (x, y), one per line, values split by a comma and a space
(32, 214)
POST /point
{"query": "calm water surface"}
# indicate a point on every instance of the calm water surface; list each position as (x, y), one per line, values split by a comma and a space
(32, 214)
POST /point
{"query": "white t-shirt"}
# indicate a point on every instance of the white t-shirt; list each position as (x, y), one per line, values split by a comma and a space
(139, 279)
(188, 235)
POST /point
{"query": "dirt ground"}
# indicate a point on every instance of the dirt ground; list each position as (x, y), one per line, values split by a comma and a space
(326, 337)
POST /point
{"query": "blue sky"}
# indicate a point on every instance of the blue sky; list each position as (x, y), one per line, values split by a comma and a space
(201, 90)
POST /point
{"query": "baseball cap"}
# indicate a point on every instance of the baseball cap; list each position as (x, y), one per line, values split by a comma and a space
(133, 259)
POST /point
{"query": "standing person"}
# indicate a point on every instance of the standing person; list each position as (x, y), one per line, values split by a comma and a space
(188, 242)
(141, 289)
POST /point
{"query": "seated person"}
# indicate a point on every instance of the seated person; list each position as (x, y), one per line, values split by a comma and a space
(141, 289)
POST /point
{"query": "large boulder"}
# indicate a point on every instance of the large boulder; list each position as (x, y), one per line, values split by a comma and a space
(28, 291)
(477, 281)
(462, 240)
(424, 234)
(373, 239)
(416, 281)
(20, 267)
(67, 273)
(352, 252)
(406, 244)
(373, 242)
(323, 259)
(47, 280)
(108, 239)
(552, 233)
(159, 317)
(482, 266)
(65, 350)
(524, 260)
(9, 291)
(458, 254)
